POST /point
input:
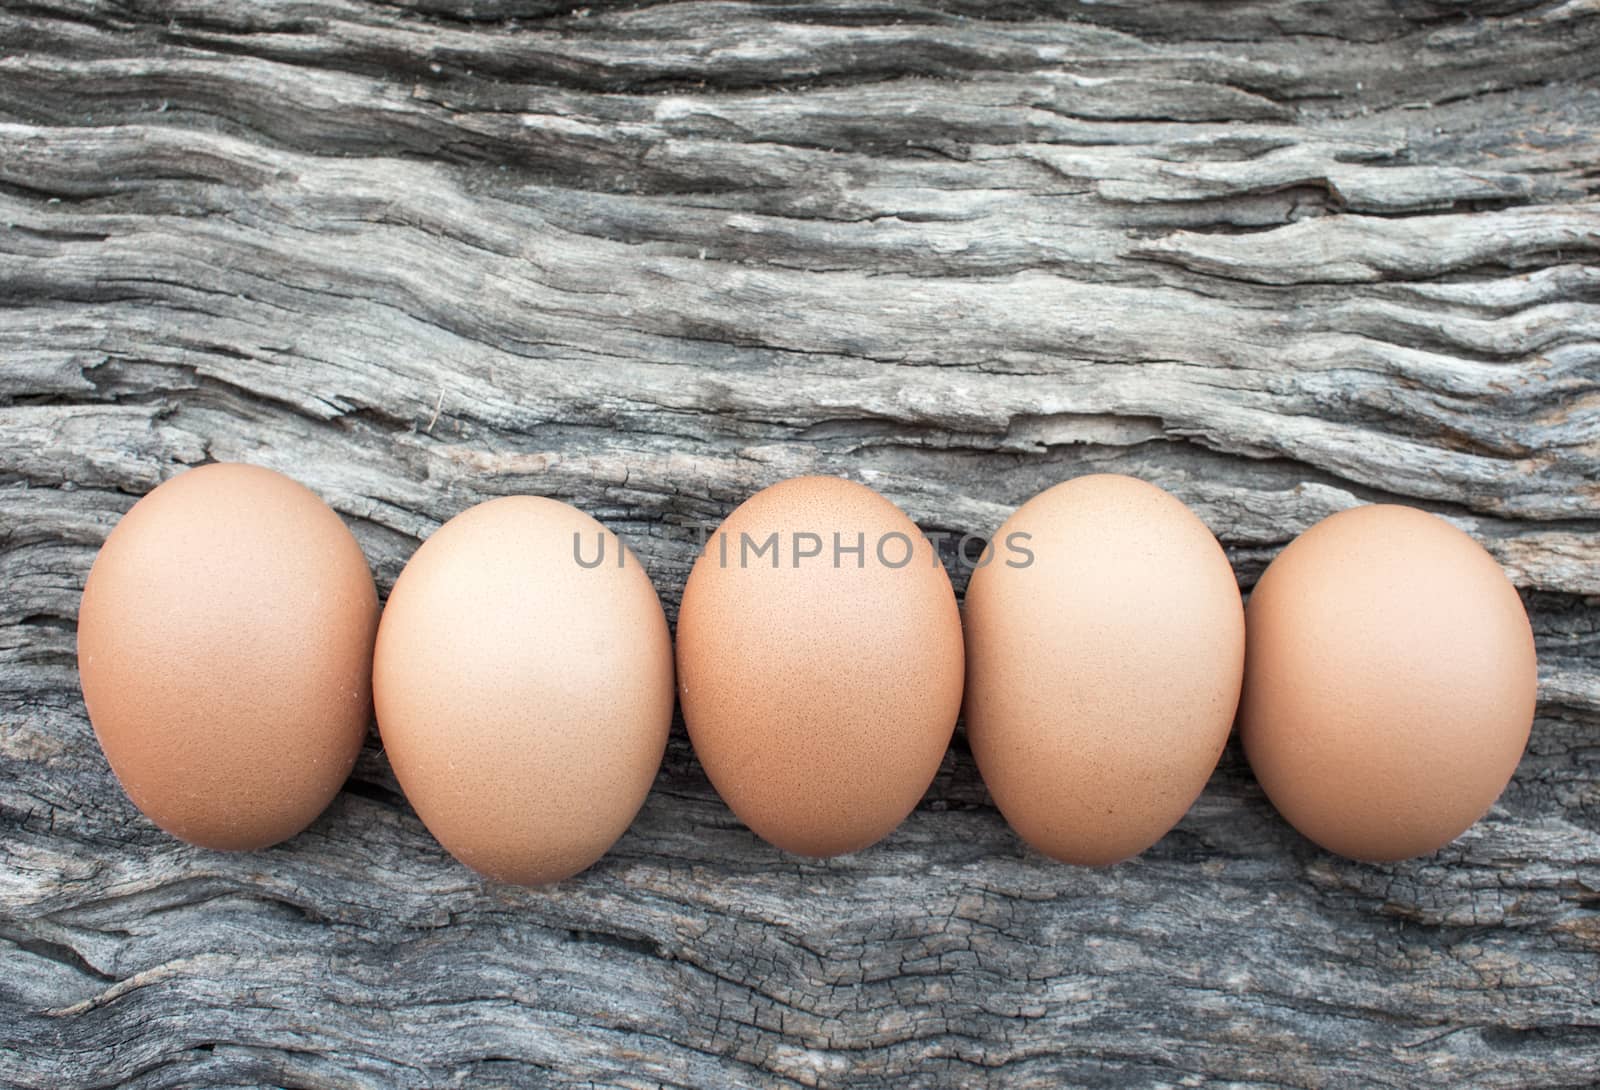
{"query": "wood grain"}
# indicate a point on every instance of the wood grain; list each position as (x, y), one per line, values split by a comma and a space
(1280, 258)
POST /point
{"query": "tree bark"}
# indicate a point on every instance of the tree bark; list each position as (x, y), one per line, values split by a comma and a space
(1279, 258)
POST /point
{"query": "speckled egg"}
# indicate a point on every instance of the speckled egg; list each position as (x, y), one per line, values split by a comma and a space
(1390, 684)
(1105, 644)
(225, 649)
(524, 684)
(819, 664)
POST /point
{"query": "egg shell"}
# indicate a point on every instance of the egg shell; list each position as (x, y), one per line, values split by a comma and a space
(1102, 676)
(1390, 682)
(225, 648)
(524, 697)
(820, 698)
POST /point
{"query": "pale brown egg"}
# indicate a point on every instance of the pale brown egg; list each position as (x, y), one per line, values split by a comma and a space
(523, 682)
(1390, 682)
(1105, 643)
(225, 651)
(819, 664)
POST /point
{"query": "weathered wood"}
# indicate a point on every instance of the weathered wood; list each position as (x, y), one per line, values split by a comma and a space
(1277, 257)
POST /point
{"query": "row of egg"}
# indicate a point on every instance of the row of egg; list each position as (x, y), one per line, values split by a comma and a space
(523, 676)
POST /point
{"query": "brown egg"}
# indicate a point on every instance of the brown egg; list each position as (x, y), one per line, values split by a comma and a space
(225, 650)
(820, 686)
(523, 681)
(1390, 682)
(1105, 642)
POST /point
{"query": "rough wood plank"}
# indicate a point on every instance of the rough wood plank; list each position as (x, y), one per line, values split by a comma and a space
(1278, 257)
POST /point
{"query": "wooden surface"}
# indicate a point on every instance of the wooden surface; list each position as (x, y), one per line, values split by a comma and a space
(1278, 258)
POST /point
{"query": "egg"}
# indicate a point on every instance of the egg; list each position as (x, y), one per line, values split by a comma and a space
(1390, 682)
(524, 685)
(819, 664)
(1105, 646)
(225, 651)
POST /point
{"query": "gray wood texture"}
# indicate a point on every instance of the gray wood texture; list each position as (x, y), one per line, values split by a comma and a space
(1280, 258)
